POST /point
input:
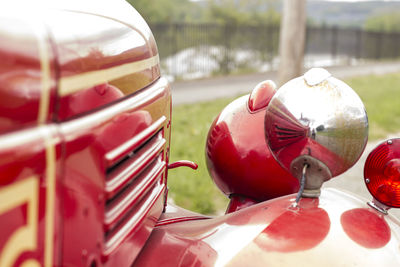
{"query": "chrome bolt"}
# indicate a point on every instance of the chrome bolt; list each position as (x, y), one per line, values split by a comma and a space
(367, 180)
(390, 142)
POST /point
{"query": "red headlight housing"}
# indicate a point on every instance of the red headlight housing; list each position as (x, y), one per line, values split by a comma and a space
(382, 173)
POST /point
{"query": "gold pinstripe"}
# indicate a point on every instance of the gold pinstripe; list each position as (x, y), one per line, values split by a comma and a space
(44, 103)
(72, 84)
(45, 74)
(24, 238)
(26, 191)
(50, 202)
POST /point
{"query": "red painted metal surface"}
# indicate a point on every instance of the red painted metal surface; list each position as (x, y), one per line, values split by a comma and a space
(296, 229)
(87, 189)
(115, 137)
(27, 76)
(115, 200)
(335, 229)
(238, 202)
(29, 210)
(261, 95)
(374, 234)
(103, 61)
(173, 214)
(30, 149)
(183, 163)
(238, 158)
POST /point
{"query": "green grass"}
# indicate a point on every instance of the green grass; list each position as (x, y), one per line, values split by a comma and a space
(194, 190)
(381, 97)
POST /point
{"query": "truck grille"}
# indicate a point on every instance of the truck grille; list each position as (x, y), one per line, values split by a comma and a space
(134, 182)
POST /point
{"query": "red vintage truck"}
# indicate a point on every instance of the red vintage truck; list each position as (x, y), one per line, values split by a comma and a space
(85, 126)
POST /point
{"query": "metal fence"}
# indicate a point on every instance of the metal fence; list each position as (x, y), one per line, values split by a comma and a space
(200, 50)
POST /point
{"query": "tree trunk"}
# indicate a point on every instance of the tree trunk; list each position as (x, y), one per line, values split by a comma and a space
(292, 40)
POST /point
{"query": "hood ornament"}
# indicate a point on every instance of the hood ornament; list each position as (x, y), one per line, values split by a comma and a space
(316, 127)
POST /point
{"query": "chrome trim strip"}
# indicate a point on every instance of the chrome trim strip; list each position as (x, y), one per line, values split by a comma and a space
(116, 181)
(116, 154)
(128, 228)
(135, 195)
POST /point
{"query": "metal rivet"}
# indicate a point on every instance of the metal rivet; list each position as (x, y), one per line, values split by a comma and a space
(390, 142)
(367, 180)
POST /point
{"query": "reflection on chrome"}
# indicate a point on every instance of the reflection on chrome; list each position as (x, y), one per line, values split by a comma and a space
(316, 117)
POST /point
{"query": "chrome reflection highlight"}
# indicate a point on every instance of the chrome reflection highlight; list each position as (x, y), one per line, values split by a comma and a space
(316, 118)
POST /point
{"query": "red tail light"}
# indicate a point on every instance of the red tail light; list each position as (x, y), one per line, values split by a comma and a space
(382, 173)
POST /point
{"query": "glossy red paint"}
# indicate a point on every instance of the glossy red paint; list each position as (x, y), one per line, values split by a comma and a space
(95, 167)
(103, 61)
(101, 200)
(382, 173)
(27, 76)
(261, 95)
(183, 163)
(239, 202)
(114, 111)
(89, 99)
(238, 158)
(298, 228)
(173, 212)
(29, 171)
(371, 231)
(274, 233)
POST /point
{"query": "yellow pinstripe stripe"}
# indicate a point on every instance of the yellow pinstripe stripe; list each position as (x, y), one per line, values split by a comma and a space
(72, 84)
(50, 202)
(45, 74)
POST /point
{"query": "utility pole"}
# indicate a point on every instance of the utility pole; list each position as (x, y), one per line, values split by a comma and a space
(292, 40)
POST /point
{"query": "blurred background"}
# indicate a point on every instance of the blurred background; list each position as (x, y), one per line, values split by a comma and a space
(203, 38)
(215, 50)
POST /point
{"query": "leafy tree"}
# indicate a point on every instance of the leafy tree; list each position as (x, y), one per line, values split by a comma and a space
(226, 12)
(243, 12)
(167, 11)
(387, 22)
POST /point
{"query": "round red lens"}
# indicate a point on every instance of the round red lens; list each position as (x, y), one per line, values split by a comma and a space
(382, 173)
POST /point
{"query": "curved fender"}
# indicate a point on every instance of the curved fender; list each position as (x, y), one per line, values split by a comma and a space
(336, 229)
